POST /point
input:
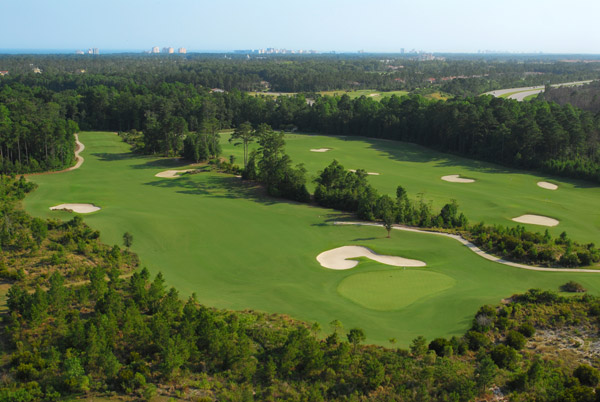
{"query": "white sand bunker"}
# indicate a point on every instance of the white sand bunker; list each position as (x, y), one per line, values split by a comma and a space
(536, 220)
(320, 149)
(371, 173)
(455, 178)
(79, 208)
(338, 258)
(546, 185)
(169, 174)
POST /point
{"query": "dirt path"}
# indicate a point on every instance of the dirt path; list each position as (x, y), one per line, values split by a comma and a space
(80, 147)
(475, 249)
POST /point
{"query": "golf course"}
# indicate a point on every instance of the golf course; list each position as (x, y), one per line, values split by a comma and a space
(224, 240)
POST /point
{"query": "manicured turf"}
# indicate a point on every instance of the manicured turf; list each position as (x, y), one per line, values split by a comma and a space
(222, 239)
(393, 289)
(498, 195)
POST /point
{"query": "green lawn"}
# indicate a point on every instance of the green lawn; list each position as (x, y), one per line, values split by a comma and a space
(222, 239)
(498, 195)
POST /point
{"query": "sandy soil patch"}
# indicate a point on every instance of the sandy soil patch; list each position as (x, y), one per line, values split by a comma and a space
(536, 220)
(169, 174)
(79, 208)
(546, 185)
(320, 149)
(374, 94)
(338, 258)
(370, 173)
(455, 178)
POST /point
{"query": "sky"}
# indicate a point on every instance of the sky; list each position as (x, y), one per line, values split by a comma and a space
(531, 26)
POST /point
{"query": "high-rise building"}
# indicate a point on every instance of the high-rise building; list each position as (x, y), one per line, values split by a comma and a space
(182, 50)
(155, 49)
(168, 50)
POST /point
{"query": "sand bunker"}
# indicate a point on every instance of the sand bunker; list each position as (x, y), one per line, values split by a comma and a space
(455, 178)
(79, 208)
(536, 220)
(320, 149)
(371, 173)
(169, 174)
(338, 258)
(546, 185)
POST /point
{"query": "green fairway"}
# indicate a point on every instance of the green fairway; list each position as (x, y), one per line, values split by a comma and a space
(221, 238)
(497, 195)
(393, 289)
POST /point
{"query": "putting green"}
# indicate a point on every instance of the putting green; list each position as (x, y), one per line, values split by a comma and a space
(223, 239)
(393, 289)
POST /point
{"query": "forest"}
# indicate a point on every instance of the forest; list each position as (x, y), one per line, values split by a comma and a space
(171, 103)
(116, 333)
(586, 97)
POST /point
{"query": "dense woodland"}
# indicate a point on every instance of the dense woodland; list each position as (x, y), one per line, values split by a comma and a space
(586, 97)
(455, 74)
(171, 107)
(113, 335)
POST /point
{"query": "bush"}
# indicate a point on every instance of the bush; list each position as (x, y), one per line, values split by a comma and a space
(573, 287)
(527, 330)
(587, 375)
(504, 356)
(516, 340)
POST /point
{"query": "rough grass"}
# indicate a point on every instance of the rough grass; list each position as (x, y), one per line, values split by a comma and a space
(221, 238)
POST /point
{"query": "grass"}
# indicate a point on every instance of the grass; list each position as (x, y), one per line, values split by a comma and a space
(498, 194)
(222, 239)
(393, 289)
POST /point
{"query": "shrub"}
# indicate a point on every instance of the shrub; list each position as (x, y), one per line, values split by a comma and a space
(573, 287)
(516, 340)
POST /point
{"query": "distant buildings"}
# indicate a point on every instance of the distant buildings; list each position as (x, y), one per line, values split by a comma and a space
(155, 49)
(3, 72)
(168, 50)
(272, 50)
(93, 50)
(182, 50)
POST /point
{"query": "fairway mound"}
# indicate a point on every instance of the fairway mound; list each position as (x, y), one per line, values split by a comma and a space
(369, 173)
(339, 258)
(536, 220)
(546, 185)
(79, 208)
(170, 174)
(455, 178)
(320, 149)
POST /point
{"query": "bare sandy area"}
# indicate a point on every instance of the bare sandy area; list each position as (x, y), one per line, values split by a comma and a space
(546, 185)
(170, 174)
(79, 208)
(370, 173)
(536, 220)
(339, 258)
(374, 94)
(475, 249)
(320, 149)
(455, 178)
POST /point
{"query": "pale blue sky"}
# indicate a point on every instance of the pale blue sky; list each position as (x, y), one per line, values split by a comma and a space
(550, 26)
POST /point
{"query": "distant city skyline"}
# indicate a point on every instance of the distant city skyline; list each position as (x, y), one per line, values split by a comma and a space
(460, 26)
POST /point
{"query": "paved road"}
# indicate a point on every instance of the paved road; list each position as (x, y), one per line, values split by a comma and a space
(523, 92)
